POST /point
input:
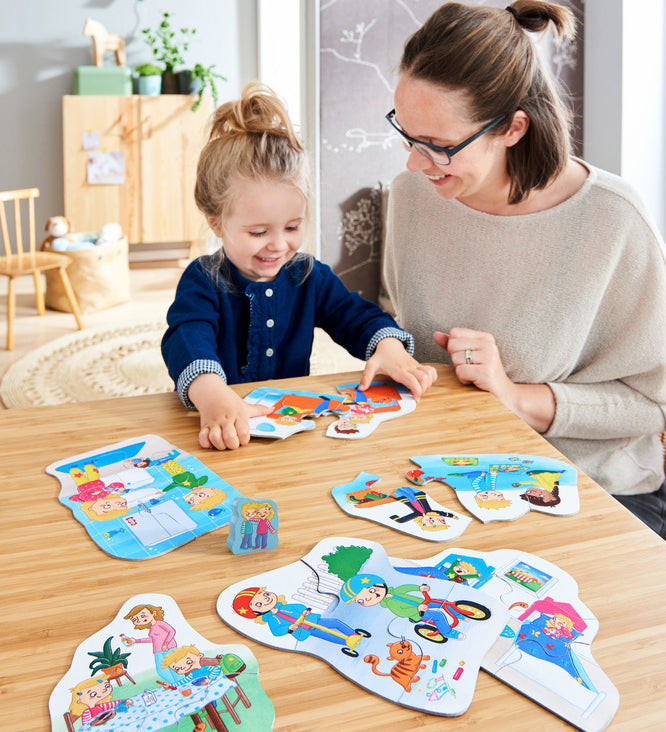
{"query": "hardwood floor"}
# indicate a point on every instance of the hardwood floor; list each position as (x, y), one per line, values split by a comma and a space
(152, 286)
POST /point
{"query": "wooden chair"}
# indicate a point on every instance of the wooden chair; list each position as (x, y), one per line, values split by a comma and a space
(18, 262)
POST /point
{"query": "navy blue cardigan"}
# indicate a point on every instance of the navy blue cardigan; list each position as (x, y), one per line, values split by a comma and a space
(255, 331)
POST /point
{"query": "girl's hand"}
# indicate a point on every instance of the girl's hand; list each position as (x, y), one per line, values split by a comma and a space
(477, 361)
(391, 359)
(223, 414)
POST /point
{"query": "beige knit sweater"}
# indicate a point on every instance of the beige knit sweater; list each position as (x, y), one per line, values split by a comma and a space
(575, 297)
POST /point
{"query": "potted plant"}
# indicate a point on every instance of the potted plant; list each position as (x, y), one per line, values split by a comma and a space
(168, 47)
(149, 80)
(111, 662)
(203, 77)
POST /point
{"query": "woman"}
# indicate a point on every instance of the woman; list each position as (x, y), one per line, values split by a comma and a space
(539, 277)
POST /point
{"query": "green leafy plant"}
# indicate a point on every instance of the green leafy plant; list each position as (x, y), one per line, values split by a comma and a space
(205, 76)
(148, 70)
(107, 657)
(168, 45)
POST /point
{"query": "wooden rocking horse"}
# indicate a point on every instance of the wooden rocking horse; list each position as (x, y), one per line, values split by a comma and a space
(104, 41)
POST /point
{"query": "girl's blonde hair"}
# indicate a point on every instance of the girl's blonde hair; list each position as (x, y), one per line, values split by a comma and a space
(251, 138)
(485, 52)
(75, 706)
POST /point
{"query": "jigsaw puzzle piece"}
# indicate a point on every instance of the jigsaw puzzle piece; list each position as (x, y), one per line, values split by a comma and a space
(544, 650)
(253, 525)
(360, 595)
(407, 510)
(171, 672)
(502, 487)
(142, 497)
(291, 411)
(363, 411)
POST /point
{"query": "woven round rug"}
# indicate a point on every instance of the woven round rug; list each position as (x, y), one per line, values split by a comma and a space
(102, 362)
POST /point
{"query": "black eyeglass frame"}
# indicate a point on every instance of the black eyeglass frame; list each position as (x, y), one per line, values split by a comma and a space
(423, 146)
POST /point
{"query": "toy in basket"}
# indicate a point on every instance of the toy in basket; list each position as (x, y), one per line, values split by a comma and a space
(99, 271)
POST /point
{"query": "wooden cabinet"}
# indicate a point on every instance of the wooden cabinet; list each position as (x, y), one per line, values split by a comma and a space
(160, 138)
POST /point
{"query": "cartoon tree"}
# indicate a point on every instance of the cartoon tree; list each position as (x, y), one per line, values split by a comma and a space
(346, 561)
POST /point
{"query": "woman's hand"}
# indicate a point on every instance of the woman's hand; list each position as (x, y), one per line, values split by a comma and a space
(477, 361)
(391, 359)
(223, 414)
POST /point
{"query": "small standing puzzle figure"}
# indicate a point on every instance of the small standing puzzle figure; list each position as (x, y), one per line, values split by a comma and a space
(253, 526)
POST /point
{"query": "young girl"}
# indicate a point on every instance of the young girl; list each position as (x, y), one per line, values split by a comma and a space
(248, 312)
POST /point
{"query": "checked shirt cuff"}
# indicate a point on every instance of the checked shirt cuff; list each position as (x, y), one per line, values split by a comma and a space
(190, 373)
(401, 335)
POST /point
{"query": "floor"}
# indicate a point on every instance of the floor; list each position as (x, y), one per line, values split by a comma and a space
(152, 286)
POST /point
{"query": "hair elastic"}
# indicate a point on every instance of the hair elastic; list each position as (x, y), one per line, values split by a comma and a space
(513, 12)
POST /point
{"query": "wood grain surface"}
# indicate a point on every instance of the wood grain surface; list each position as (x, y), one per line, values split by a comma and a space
(59, 587)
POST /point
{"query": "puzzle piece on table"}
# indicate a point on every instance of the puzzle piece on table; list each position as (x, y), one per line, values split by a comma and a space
(544, 651)
(345, 603)
(143, 497)
(503, 487)
(358, 413)
(407, 510)
(161, 687)
(253, 525)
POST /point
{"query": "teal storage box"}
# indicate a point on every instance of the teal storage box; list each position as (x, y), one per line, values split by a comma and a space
(103, 80)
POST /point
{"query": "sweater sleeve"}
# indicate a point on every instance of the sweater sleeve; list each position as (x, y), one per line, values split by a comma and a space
(618, 389)
(353, 322)
(189, 346)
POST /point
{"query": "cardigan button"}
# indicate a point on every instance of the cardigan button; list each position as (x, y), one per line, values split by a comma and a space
(269, 352)
(270, 323)
(269, 292)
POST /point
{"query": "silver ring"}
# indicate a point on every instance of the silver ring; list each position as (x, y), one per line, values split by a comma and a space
(468, 356)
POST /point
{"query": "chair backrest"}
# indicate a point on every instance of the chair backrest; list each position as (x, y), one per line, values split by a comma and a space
(17, 249)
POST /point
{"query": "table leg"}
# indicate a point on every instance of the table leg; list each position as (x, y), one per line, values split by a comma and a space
(214, 718)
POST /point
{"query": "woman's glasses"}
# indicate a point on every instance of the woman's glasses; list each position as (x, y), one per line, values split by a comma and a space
(435, 153)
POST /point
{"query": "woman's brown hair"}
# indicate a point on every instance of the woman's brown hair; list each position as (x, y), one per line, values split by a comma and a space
(485, 52)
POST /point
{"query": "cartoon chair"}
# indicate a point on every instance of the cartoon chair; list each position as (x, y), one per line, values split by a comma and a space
(232, 666)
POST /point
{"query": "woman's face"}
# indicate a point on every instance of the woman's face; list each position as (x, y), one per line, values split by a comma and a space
(434, 114)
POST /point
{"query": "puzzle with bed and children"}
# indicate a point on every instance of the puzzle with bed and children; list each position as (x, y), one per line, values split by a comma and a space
(417, 632)
(149, 670)
(143, 497)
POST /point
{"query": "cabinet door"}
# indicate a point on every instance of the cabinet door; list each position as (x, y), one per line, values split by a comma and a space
(171, 138)
(116, 122)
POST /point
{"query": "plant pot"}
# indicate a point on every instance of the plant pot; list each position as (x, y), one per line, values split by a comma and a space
(169, 83)
(113, 672)
(188, 84)
(149, 85)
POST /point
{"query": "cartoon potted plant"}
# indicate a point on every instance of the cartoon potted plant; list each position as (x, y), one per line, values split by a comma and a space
(149, 80)
(168, 46)
(111, 662)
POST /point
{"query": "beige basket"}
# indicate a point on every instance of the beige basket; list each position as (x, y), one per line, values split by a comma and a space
(99, 277)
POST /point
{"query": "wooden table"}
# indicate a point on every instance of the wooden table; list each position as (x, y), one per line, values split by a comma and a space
(59, 587)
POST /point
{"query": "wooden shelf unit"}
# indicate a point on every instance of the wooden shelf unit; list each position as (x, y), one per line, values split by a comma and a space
(160, 138)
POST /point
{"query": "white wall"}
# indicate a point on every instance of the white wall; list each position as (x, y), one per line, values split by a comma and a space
(41, 44)
(624, 112)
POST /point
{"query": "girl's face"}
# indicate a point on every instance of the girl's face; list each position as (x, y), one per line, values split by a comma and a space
(442, 117)
(112, 502)
(94, 695)
(264, 229)
(199, 495)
